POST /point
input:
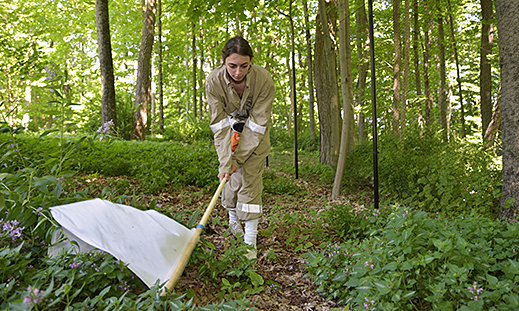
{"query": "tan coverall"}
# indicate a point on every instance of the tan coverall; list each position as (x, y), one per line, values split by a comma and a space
(254, 108)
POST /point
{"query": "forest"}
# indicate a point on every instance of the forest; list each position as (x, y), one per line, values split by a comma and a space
(391, 180)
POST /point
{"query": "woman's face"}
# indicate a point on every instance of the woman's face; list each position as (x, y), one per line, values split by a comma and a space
(237, 66)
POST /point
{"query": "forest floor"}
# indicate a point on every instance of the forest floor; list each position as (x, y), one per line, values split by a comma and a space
(294, 290)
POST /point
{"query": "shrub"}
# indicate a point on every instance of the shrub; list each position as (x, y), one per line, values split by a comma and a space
(424, 172)
(93, 281)
(188, 132)
(410, 261)
(278, 184)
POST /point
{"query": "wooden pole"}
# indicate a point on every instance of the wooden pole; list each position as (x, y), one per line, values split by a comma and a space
(179, 268)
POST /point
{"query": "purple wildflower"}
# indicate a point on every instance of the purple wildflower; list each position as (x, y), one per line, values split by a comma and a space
(475, 291)
(35, 297)
(74, 265)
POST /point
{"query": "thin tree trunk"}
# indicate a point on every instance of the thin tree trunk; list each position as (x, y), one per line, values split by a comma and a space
(108, 105)
(405, 71)
(416, 51)
(443, 82)
(494, 125)
(348, 125)
(201, 82)
(311, 101)
(485, 87)
(142, 85)
(363, 58)
(397, 73)
(458, 75)
(290, 111)
(153, 102)
(161, 89)
(426, 66)
(195, 61)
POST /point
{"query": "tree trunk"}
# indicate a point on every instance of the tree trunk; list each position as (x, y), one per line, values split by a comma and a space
(291, 109)
(426, 66)
(327, 88)
(416, 52)
(507, 14)
(348, 125)
(458, 75)
(485, 86)
(108, 106)
(195, 61)
(405, 71)
(160, 82)
(363, 58)
(311, 100)
(201, 103)
(143, 83)
(443, 82)
(494, 125)
(397, 73)
(153, 103)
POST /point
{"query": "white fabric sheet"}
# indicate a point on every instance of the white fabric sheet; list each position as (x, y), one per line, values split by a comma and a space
(149, 242)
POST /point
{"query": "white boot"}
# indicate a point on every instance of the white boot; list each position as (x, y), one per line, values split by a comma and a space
(250, 237)
(234, 223)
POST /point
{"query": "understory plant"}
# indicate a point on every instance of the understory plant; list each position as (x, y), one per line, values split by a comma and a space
(232, 270)
(423, 171)
(31, 181)
(410, 261)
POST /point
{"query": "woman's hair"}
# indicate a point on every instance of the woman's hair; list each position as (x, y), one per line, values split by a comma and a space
(236, 45)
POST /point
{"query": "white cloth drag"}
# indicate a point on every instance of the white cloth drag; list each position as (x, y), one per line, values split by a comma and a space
(149, 242)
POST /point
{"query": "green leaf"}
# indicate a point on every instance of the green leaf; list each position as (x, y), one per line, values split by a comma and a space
(353, 282)
(392, 266)
(256, 279)
(492, 281)
(225, 282)
(382, 287)
(340, 277)
(409, 294)
(47, 132)
(2, 202)
(514, 266)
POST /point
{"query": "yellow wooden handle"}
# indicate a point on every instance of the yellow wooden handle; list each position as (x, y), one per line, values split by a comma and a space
(181, 265)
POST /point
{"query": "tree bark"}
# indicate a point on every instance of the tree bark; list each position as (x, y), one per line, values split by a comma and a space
(485, 86)
(458, 75)
(363, 58)
(143, 83)
(494, 125)
(348, 122)
(327, 87)
(416, 52)
(201, 103)
(507, 14)
(397, 70)
(108, 105)
(405, 70)
(291, 109)
(443, 82)
(309, 62)
(195, 61)
(426, 66)
(160, 82)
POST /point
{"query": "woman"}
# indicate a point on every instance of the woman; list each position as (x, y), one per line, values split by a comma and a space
(240, 96)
